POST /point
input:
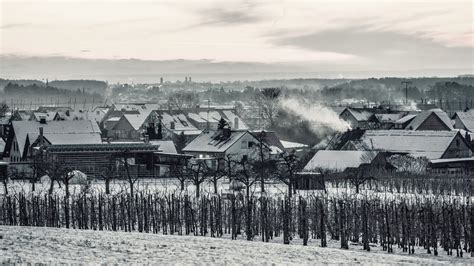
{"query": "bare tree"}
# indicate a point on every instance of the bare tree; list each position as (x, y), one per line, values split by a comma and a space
(54, 169)
(180, 172)
(123, 159)
(108, 172)
(197, 174)
(359, 176)
(5, 176)
(214, 175)
(246, 176)
(263, 164)
(183, 99)
(409, 164)
(267, 100)
(288, 166)
(3, 109)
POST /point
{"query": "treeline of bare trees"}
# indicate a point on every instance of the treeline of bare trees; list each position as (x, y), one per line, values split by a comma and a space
(434, 224)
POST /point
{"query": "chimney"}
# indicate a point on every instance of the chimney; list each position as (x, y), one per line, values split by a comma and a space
(236, 122)
(226, 132)
(172, 125)
(161, 80)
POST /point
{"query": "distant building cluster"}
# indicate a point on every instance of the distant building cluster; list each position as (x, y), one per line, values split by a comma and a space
(152, 138)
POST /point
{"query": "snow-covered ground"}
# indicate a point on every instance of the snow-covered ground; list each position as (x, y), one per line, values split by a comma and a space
(55, 246)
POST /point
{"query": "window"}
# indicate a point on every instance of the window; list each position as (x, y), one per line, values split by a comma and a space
(243, 145)
(250, 145)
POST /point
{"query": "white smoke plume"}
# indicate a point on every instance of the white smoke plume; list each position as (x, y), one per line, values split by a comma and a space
(320, 117)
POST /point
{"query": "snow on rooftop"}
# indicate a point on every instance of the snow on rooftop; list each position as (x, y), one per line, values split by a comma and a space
(429, 144)
(420, 118)
(231, 116)
(212, 141)
(293, 145)
(335, 160)
(467, 119)
(165, 146)
(360, 115)
(405, 119)
(136, 120)
(81, 131)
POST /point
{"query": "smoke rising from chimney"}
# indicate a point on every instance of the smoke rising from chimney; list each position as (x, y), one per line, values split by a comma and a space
(320, 117)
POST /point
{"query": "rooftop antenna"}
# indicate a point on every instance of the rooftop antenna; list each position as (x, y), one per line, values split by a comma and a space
(406, 90)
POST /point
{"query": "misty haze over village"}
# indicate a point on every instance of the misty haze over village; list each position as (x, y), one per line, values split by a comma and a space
(239, 132)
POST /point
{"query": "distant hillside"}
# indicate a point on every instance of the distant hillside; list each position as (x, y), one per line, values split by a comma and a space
(13, 89)
(87, 85)
(90, 86)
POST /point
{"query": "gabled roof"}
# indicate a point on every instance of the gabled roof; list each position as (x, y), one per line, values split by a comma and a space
(467, 119)
(423, 116)
(359, 115)
(136, 120)
(335, 160)
(270, 138)
(429, 144)
(213, 141)
(57, 132)
(49, 116)
(231, 116)
(405, 119)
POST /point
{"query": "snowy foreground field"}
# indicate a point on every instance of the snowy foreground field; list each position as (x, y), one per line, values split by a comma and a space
(55, 246)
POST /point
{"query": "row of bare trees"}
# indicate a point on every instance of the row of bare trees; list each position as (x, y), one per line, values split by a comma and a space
(406, 225)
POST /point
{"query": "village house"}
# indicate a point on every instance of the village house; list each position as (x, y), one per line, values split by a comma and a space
(359, 118)
(464, 120)
(23, 134)
(430, 144)
(46, 116)
(145, 160)
(128, 126)
(221, 144)
(387, 121)
(403, 122)
(434, 119)
(191, 122)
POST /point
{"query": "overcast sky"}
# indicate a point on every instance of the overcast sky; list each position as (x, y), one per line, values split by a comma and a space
(385, 34)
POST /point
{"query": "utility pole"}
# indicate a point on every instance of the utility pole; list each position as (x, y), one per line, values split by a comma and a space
(406, 90)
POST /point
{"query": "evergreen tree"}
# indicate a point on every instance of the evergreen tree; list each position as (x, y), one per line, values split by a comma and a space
(180, 142)
(222, 124)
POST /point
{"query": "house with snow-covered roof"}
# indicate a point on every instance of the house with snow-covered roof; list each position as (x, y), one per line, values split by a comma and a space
(434, 119)
(358, 118)
(464, 120)
(424, 143)
(22, 135)
(212, 145)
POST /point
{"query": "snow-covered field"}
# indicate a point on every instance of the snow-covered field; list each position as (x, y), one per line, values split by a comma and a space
(56, 246)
